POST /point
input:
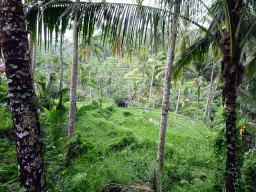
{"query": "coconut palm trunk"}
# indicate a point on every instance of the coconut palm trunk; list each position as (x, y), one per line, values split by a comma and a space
(61, 73)
(72, 106)
(15, 49)
(166, 94)
(232, 72)
(208, 103)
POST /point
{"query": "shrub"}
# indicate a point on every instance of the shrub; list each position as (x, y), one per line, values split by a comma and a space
(249, 171)
(127, 113)
(111, 108)
(80, 146)
(6, 125)
(123, 142)
(82, 111)
(57, 120)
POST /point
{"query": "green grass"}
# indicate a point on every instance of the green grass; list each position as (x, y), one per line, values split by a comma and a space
(125, 143)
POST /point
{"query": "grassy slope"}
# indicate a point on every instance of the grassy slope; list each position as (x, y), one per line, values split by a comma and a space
(125, 141)
(187, 147)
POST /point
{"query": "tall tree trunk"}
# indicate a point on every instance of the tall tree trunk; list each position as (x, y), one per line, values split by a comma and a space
(72, 105)
(60, 105)
(33, 64)
(33, 51)
(166, 94)
(232, 71)
(178, 100)
(15, 50)
(208, 103)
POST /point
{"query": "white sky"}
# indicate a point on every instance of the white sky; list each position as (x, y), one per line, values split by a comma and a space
(145, 2)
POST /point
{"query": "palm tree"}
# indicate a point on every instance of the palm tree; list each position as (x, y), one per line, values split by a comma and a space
(116, 20)
(208, 102)
(22, 95)
(166, 93)
(143, 67)
(239, 28)
(199, 70)
(72, 105)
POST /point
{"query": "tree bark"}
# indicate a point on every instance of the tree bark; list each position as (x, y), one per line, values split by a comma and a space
(60, 105)
(73, 83)
(166, 94)
(232, 71)
(22, 97)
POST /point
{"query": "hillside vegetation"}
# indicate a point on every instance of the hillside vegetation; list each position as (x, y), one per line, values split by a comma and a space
(119, 145)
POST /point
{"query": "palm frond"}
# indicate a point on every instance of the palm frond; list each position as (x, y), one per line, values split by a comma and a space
(114, 20)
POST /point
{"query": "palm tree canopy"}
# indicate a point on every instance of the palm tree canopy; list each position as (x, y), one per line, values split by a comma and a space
(128, 21)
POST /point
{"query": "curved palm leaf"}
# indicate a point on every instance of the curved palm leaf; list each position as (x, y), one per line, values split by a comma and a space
(115, 20)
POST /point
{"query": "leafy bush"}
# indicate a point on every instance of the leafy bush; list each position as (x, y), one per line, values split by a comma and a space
(249, 171)
(6, 125)
(57, 120)
(175, 173)
(94, 104)
(111, 108)
(79, 146)
(8, 167)
(83, 110)
(123, 142)
(127, 113)
(3, 91)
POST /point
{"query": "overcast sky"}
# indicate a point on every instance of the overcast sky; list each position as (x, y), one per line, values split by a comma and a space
(145, 2)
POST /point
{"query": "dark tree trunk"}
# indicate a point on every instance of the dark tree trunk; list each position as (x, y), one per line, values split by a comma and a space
(22, 95)
(232, 71)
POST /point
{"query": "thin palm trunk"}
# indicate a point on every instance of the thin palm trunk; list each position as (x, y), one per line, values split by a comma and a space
(72, 105)
(166, 94)
(33, 64)
(178, 100)
(208, 103)
(15, 49)
(33, 50)
(61, 73)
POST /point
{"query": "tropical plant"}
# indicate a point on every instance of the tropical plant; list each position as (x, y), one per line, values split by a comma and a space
(198, 70)
(239, 28)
